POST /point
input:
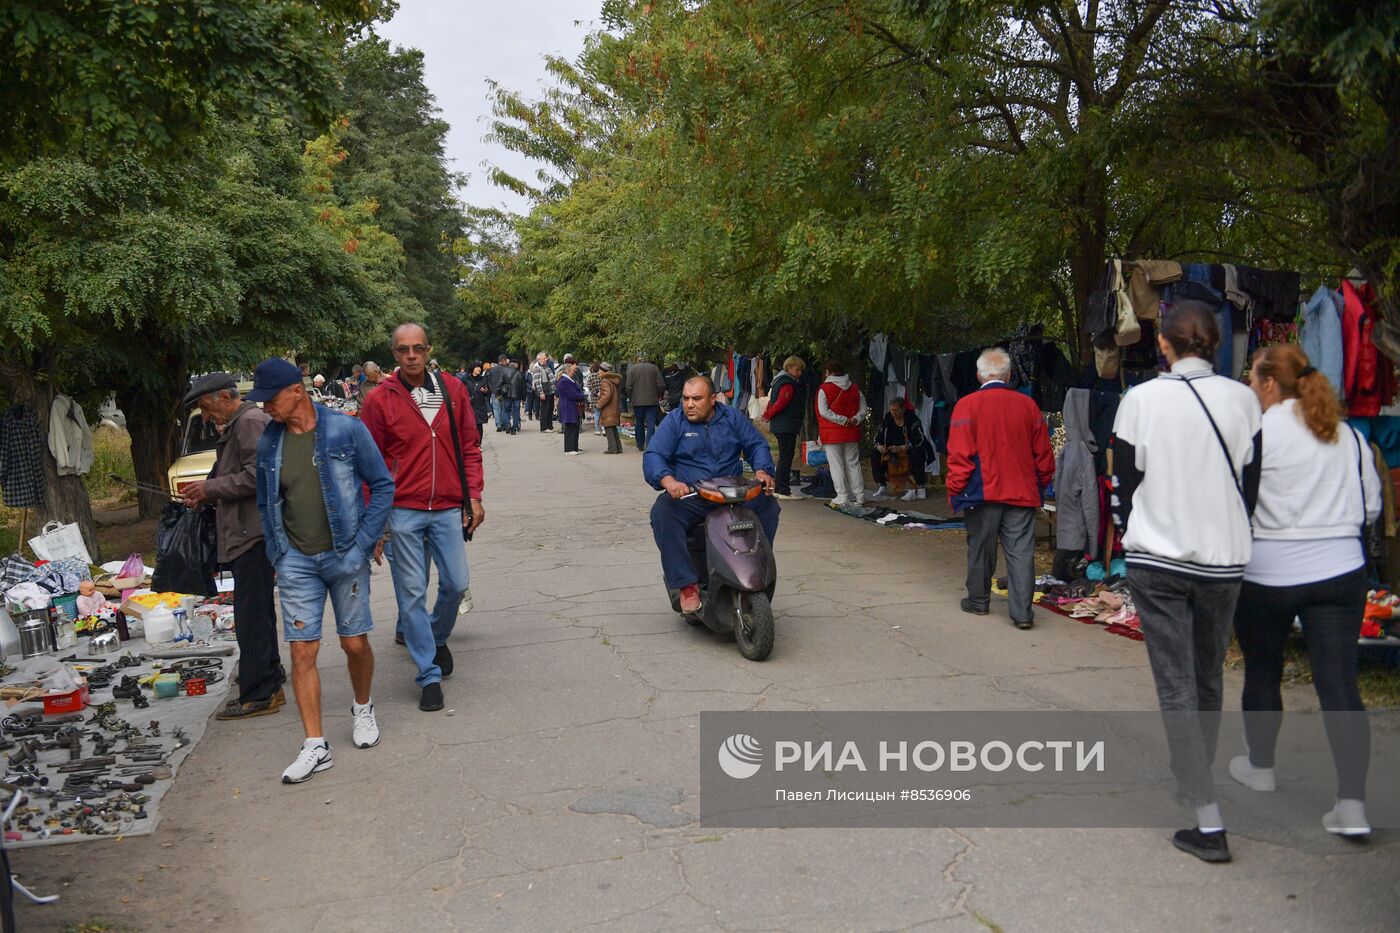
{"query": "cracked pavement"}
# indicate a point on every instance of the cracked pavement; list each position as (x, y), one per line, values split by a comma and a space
(559, 790)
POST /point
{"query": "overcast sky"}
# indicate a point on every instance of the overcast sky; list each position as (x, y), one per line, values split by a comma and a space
(464, 42)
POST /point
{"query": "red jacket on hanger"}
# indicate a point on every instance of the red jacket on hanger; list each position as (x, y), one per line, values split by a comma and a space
(1368, 378)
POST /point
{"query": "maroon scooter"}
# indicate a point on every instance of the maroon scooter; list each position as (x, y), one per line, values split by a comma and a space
(733, 559)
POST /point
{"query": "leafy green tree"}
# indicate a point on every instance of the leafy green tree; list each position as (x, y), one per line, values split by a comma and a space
(394, 140)
(1327, 87)
(86, 76)
(795, 173)
(107, 104)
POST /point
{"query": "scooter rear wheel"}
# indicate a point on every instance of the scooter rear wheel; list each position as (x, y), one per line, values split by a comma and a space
(753, 629)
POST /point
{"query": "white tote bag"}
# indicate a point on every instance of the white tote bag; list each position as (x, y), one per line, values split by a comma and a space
(59, 542)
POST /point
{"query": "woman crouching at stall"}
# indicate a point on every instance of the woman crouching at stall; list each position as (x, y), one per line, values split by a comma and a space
(900, 453)
(1318, 490)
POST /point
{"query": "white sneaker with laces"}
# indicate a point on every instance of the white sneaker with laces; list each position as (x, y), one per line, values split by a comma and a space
(364, 730)
(465, 606)
(311, 759)
(909, 496)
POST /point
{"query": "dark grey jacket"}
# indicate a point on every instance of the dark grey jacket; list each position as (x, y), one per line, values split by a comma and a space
(233, 483)
(1076, 483)
(645, 385)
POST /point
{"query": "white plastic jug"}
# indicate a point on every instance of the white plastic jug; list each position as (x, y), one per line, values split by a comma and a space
(9, 635)
(160, 626)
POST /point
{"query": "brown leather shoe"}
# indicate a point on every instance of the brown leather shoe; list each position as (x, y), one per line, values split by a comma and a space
(235, 710)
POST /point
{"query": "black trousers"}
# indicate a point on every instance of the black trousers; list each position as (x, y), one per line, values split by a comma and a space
(787, 449)
(1331, 612)
(260, 672)
(570, 436)
(547, 413)
(614, 440)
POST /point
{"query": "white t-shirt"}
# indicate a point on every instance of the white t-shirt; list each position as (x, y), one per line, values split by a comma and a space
(1294, 563)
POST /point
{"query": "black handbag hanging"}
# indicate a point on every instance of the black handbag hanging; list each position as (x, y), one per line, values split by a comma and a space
(456, 451)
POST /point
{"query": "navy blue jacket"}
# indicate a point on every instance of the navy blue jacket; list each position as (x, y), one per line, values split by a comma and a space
(691, 452)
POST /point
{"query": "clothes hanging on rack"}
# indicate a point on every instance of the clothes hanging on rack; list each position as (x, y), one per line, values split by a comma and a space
(1368, 377)
(70, 438)
(1076, 481)
(21, 453)
(1272, 295)
(1145, 283)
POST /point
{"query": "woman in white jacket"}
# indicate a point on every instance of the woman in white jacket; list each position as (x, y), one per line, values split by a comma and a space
(1318, 489)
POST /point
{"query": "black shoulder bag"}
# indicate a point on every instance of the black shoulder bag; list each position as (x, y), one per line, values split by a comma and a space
(1224, 448)
(456, 453)
(1361, 478)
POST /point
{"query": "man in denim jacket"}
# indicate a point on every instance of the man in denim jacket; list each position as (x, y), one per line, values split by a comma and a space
(313, 467)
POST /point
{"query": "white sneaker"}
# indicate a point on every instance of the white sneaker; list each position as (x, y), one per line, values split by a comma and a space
(909, 496)
(311, 759)
(465, 606)
(364, 731)
(923, 493)
(879, 493)
(572, 453)
(1255, 778)
(1347, 818)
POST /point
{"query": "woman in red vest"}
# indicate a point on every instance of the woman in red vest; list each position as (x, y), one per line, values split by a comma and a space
(840, 410)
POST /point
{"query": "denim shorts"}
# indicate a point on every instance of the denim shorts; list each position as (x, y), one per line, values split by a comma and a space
(303, 583)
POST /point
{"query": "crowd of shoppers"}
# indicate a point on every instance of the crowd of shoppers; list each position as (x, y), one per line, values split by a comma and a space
(1240, 509)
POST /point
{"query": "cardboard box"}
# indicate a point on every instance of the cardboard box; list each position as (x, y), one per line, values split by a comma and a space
(59, 704)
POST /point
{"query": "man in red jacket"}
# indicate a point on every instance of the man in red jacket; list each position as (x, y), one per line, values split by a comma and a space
(999, 463)
(408, 418)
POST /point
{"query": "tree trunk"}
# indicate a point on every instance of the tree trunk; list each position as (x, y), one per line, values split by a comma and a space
(65, 497)
(152, 412)
(1086, 262)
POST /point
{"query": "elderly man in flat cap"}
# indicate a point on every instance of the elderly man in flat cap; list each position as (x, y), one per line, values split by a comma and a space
(231, 488)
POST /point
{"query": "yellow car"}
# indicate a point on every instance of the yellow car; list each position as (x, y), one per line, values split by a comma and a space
(197, 453)
(199, 438)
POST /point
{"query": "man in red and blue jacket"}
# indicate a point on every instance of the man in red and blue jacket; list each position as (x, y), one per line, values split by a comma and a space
(999, 463)
(408, 418)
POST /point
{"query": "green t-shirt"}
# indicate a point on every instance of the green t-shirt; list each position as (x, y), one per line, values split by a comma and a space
(303, 505)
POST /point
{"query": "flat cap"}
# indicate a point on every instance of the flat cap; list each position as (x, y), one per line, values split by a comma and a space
(213, 382)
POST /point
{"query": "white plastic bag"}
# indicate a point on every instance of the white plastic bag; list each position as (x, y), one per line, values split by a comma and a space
(60, 542)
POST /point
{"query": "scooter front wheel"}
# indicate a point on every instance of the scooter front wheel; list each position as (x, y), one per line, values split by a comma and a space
(753, 627)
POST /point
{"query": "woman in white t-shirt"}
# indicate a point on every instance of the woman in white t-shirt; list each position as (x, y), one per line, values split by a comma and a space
(1317, 490)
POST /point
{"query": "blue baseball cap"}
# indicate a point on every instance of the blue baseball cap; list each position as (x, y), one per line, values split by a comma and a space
(271, 377)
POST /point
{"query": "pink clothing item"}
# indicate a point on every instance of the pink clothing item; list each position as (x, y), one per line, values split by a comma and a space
(91, 605)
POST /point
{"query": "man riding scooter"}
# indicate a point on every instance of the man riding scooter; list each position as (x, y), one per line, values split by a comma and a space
(699, 441)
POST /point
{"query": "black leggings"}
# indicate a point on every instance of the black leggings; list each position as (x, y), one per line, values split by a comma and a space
(787, 449)
(1331, 612)
(570, 436)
